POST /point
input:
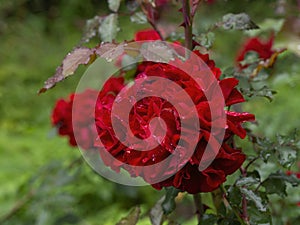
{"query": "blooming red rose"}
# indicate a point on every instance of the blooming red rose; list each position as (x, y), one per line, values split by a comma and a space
(263, 49)
(147, 35)
(80, 124)
(188, 178)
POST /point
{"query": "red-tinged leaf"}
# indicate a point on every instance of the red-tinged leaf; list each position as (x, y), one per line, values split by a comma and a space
(109, 51)
(82, 56)
(78, 56)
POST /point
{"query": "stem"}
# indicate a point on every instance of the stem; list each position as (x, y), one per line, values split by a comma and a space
(244, 200)
(151, 21)
(250, 163)
(156, 29)
(17, 207)
(199, 207)
(188, 24)
(235, 211)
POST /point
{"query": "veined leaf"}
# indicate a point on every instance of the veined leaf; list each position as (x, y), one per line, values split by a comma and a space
(139, 18)
(250, 195)
(78, 56)
(169, 204)
(81, 56)
(109, 28)
(91, 28)
(114, 5)
(240, 21)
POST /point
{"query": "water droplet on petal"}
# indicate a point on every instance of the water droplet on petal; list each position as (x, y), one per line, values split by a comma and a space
(144, 160)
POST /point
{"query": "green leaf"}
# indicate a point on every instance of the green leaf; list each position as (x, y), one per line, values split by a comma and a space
(109, 28)
(206, 39)
(240, 21)
(132, 218)
(258, 201)
(139, 18)
(251, 57)
(234, 196)
(292, 179)
(258, 217)
(91, 28)
(156, 213)
(287, 156)
(209, 219)
(114, 5)
(247, 181)
(275, 185)
(169, 204)
(128, 63)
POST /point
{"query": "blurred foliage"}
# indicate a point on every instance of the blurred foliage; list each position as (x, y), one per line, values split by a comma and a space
(42, 179)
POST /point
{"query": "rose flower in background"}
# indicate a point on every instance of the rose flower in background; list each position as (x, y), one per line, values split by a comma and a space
(262, 48)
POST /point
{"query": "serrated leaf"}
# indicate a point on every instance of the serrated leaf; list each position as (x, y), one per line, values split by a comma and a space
(156, 213)
(287, 156)
(265, 92)
(206, 39)
(157, 51)
(114, 5)
(257, 217)
(240, 21)
(169, 203)
(91, 28)
(109, 28)
(234, 196)
(81, 56)
(247, 181)
(250, 195)
(250, 58)
(139, 18)
(132, 218)
(78, 56)
(275, 185)
(292, 179)
(109, 51)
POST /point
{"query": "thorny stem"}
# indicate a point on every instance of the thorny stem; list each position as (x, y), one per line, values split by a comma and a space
(188, 24)
(235, 211)
(199, 207)
(244, 200)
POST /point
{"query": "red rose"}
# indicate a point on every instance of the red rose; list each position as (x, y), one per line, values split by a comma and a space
(81, 121)
(263, 49)
(147, 35)
(62, 119)
(188, 178)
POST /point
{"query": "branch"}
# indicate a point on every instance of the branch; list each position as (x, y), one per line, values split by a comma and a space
(17, 207)
(235, 211)
(188, 24)
(244, 200)
(151, 21)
